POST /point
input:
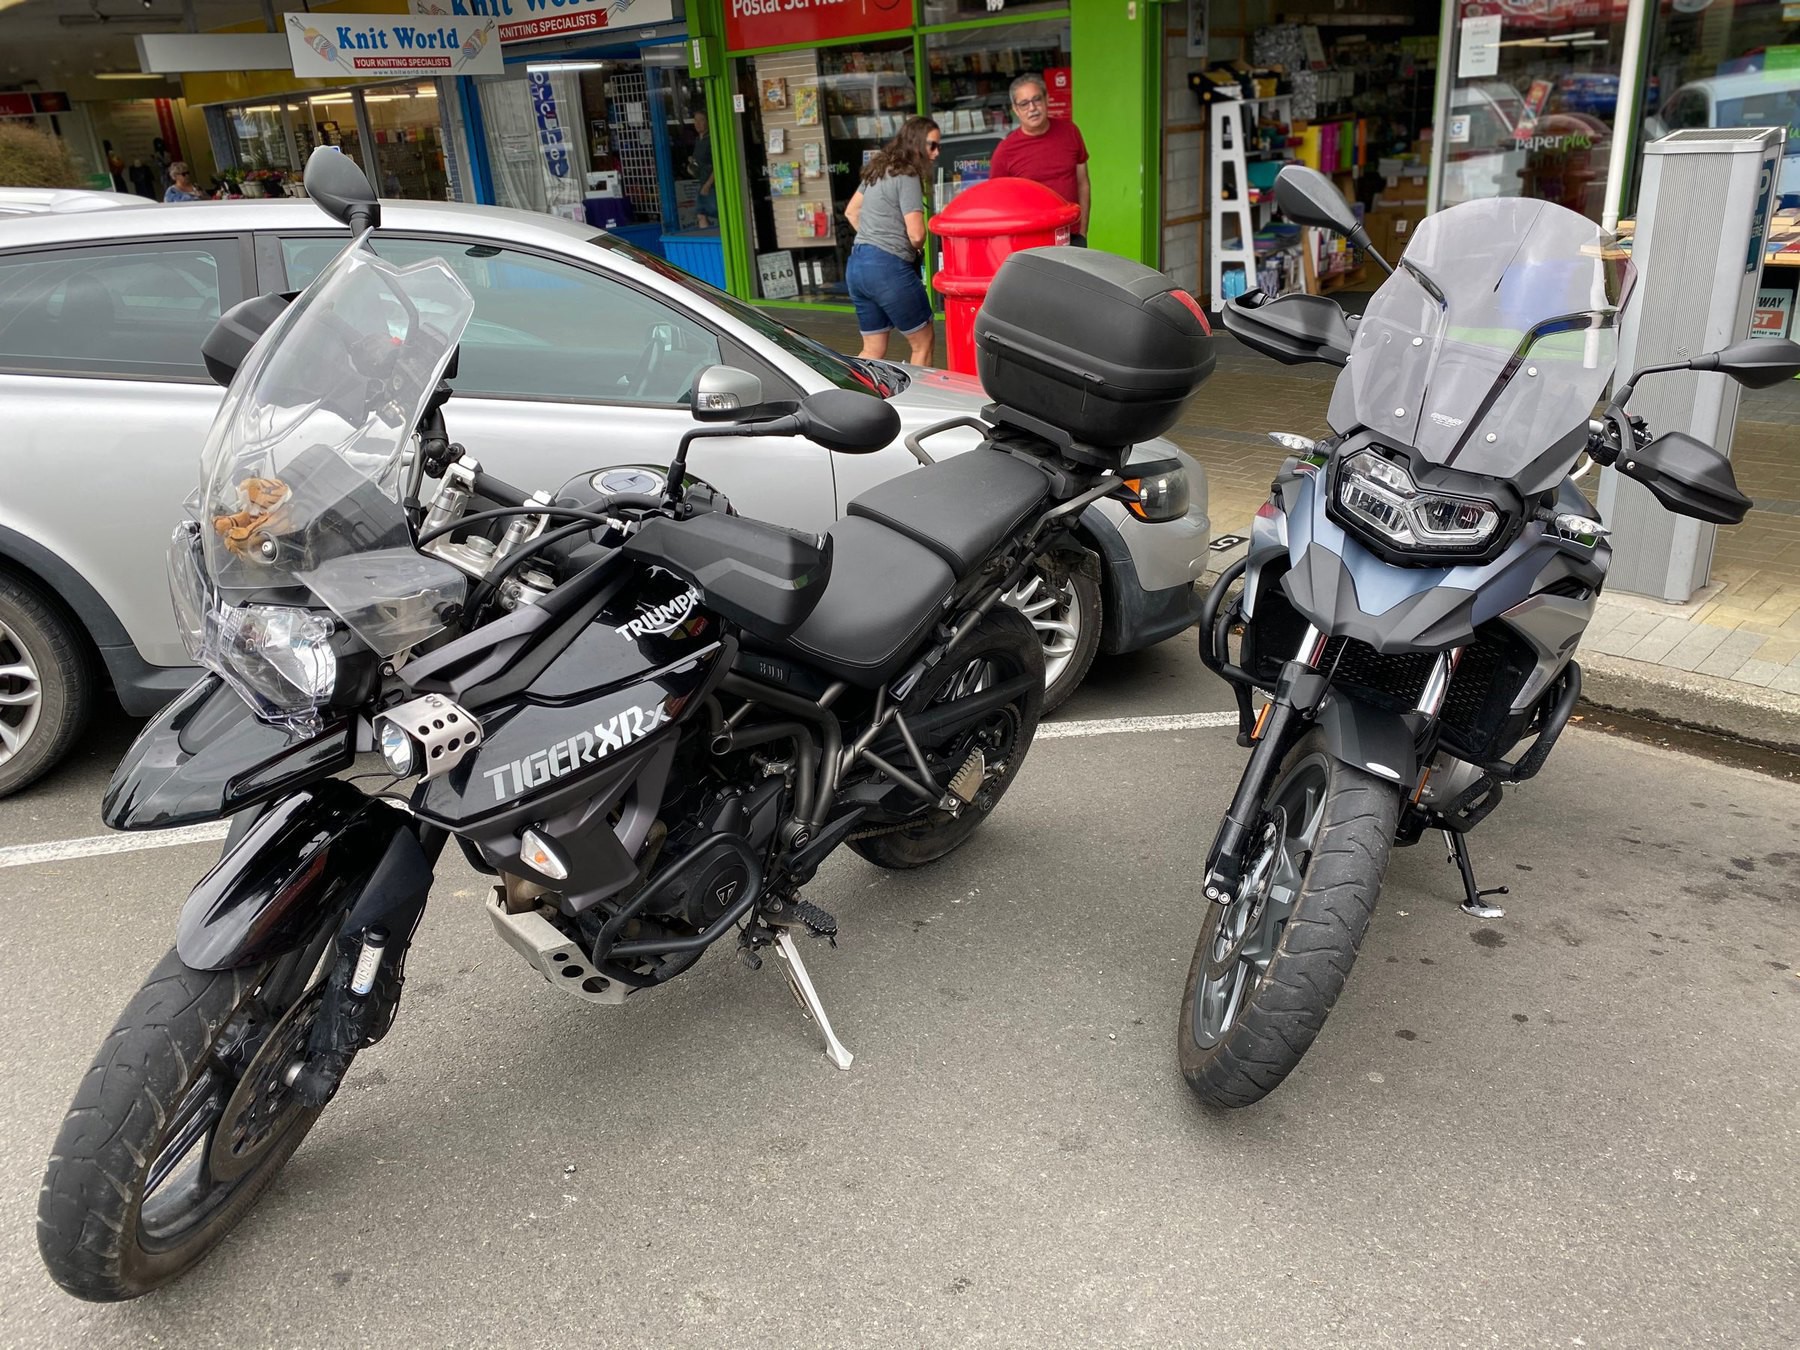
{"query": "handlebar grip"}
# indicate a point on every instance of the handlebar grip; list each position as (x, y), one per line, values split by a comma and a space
(499, 490)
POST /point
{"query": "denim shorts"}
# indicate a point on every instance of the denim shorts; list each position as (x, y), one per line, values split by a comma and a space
(886, 291)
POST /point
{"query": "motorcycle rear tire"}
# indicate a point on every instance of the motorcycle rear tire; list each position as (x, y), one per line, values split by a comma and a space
(1340, 876)
(1006, 640)
(169, 1048)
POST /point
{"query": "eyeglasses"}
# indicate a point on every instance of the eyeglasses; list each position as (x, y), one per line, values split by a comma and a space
(934, 146)
(1037, 102)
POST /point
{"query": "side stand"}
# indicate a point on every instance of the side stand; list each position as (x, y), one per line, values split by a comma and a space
(1472, 897)
(808, 997)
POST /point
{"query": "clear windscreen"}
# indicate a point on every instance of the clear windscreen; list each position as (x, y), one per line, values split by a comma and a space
(301, 476)
(1494, 338)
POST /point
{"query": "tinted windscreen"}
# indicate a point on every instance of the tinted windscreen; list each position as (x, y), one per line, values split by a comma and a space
(1493, 340)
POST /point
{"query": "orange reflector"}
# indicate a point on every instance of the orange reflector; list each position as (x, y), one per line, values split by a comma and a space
(1261, 719)
(1424, 778)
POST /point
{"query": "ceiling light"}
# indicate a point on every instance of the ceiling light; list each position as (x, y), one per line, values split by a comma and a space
(555, 67)
(128, 75)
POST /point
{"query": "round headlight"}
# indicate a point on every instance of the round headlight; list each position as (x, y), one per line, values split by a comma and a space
(397, 749)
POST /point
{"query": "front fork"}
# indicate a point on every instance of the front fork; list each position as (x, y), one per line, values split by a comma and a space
(1299, 692)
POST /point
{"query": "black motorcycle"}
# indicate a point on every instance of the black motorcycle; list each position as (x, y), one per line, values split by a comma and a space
(1414, 591)
(647, 718)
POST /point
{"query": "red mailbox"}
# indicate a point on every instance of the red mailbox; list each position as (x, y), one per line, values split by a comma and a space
(980, 229)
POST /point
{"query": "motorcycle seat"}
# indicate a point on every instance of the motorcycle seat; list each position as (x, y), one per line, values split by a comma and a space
(884, 594)
(959, 508)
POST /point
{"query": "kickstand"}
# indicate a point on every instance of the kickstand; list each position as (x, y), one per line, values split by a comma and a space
(1472, 897)
(808, 997)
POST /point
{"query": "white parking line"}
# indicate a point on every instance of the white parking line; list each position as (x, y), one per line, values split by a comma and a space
(94, 846)
(62, 850)
(1108, 726)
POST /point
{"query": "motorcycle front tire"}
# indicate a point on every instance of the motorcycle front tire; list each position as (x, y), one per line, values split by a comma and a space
(1345, 818)
(105, 1231)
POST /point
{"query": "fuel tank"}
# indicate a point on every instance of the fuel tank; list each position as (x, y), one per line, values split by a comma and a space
(622, 687)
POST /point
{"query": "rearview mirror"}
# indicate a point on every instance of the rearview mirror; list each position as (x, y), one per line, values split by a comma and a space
(341, 189)
(1688, 476)
(725, 393)
(236, 333)
(1756, 362)
(1307, 197)
(848, 422)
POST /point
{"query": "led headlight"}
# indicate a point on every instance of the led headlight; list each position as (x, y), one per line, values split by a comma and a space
(1381, 496)
(398, 750)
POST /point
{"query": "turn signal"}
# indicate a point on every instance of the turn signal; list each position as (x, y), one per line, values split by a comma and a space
(535, 852)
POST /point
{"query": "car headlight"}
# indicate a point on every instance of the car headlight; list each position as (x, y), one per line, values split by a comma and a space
(1159, 491)
(1381, 496)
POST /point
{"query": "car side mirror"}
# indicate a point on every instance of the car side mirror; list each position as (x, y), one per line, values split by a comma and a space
(726, 394)
(848, 422)
(341, 189)
(236, 333)
(1688, 476)
(1758, 363)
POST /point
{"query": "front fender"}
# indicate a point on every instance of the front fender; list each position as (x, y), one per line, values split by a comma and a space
(1371, 739)
(207, 755)
(305, 857)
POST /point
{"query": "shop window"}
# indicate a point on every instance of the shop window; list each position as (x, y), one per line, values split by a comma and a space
(613, 143)
(409, 141)
(134, 309)
(971, 71)
(812, 120)
(546, 329)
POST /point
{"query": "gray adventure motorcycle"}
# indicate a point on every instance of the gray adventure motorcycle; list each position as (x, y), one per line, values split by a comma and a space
(647, 719)
(1414, 591)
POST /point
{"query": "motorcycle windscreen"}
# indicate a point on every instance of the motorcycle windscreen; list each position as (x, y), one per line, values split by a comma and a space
(301, 475)
(1493, 340)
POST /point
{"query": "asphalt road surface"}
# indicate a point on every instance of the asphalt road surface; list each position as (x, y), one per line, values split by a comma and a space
(1573, 1126)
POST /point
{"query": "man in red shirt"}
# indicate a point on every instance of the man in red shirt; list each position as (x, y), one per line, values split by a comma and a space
(1045, 149)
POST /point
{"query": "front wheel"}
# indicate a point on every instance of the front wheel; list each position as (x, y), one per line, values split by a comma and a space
(1270, 964)
(182, 1122)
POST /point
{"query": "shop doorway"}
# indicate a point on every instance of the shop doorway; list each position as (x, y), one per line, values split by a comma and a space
(618, 142)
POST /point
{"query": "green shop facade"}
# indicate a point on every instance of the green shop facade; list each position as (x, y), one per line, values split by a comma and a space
(729, 138)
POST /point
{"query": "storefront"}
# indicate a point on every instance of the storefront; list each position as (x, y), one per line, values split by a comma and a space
(393, 130)
(597, 118)
(817, 92)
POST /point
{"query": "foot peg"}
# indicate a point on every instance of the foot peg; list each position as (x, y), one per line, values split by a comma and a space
(1472, 896)
(808, 997)
(969, 778)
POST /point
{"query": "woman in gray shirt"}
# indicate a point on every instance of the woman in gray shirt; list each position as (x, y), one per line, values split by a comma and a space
(888, 215)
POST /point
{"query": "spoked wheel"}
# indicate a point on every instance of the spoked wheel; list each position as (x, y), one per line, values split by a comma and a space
(182, 1122)
(1270, 964)
(1063, 604)
(1002, 648)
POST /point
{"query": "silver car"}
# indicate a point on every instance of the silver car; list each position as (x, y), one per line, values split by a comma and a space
(582, 353)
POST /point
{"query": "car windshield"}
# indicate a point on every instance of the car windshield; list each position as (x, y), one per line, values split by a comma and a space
(1490, 344)
(846, 372)
(301, 474)
(1772, 108)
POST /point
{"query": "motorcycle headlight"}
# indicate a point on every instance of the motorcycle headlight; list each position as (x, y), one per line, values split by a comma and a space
(188, 588)
(1381, 496)
(280, 659)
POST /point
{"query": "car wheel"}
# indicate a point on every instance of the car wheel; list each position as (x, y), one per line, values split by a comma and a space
(46, 685)
(1062, 600)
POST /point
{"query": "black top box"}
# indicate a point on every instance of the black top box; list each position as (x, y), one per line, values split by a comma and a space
(1094, 344)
